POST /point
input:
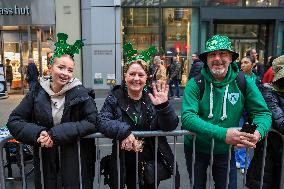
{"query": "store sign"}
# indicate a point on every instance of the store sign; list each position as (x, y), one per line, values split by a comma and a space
(16, 10)
(103, 52)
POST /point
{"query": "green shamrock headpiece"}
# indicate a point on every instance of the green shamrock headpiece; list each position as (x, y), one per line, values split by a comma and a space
(62, 47)
(133, 55)
(218, 42)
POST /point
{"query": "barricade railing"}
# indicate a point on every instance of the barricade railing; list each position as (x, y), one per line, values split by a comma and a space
(143, 134)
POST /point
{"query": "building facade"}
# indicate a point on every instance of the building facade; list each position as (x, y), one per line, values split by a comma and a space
(175, 27)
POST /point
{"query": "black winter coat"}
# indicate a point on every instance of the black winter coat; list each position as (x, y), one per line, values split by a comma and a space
(195, 69)
(113, 126)
(32, 72)
(79, 119)
(272, 170)
(175, 70)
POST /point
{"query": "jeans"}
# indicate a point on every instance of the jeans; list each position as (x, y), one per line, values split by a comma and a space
(240, 156)
(219, 169)
(176, 83)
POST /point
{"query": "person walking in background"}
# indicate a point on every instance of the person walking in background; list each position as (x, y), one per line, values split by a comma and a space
(32, 73)
(53, 115)
(269, 75)
(153, 68)
(212, 107)
(196, 66)
(9, 73)
(133, 107)
(274, 97)
(174, 77)
(258, 67)
(161, 74)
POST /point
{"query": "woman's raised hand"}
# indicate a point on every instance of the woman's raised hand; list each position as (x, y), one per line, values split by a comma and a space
(160, 93)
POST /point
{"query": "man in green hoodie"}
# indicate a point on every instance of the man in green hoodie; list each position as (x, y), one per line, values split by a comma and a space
(216, 112)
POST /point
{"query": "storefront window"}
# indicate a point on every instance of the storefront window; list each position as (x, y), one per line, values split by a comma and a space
(245, 37)
(141, 27)
(139, 2)
(177, 34)
(176, 2)
(19, 46)
(245, 3)
(170, 33)
(262, 3)
(238, 30)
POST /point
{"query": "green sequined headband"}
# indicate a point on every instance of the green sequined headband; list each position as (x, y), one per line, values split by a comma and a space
(62, 47)
(133, 55)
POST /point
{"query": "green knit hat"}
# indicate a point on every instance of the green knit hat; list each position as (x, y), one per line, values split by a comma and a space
(215, 43)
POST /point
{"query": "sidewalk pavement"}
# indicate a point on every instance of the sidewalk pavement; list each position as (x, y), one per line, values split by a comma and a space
(7, 105)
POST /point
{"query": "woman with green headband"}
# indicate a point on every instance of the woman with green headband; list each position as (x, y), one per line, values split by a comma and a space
(54, 115)
(132, 107)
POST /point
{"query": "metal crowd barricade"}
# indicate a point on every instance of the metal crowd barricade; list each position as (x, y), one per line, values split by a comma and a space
(155, 134)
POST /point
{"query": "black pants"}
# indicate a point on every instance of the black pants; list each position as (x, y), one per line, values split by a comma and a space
(131, 173)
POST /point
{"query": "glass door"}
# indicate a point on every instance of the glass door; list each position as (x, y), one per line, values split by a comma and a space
(247, 36)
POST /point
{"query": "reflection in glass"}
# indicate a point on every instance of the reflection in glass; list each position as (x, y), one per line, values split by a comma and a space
(139, 2)
(247, 3)
(141, 27)
(238, 30)
(170, 33)
(245, 37)
(177, 34)
(177, 2)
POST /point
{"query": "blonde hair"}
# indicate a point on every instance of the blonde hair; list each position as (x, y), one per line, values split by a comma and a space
(246, 59)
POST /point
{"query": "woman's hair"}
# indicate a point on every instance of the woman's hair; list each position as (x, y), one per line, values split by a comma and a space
(271, 60)
(142, 63)
(247, 58)
(64, 55)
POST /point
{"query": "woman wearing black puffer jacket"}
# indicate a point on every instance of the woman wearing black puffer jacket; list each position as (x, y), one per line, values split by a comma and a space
(131, 107)
(54, 115)
(274, 97)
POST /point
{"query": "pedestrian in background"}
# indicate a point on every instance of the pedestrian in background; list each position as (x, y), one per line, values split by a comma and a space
(32, 73)
(175, 77)
(274, 97)
(196, 66)
(161, 74)
(133, 107)
(9, 73)
(269, 75)
(258, 67)
(213, 111)
(53, 115)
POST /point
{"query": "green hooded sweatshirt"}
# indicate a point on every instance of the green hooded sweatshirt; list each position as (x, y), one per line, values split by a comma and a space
(197, 117)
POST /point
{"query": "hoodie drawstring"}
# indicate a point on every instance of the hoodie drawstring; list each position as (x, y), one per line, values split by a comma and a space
(211, 102)
(224, 116)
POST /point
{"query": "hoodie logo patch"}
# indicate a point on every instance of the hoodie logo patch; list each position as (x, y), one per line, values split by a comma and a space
(233, 97)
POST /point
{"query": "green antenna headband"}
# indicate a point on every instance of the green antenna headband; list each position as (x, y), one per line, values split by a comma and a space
(62, 47)
(133, 55)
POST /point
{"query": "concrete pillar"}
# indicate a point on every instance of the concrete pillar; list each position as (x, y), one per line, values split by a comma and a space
(101, 20)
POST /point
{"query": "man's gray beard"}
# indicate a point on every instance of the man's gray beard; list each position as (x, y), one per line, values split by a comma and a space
(218, 72)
